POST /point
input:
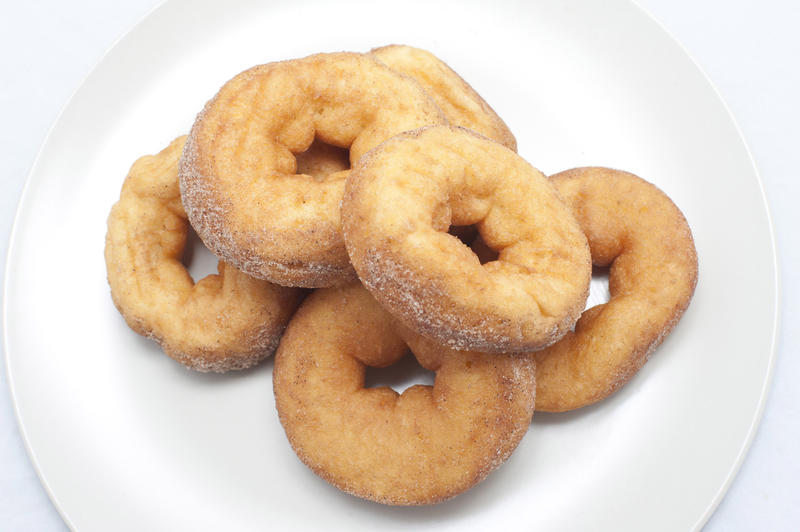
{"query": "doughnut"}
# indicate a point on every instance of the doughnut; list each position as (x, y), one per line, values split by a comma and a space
(423, 446)
(223, 322)
(399, 202)
(636, 229)
(460, 103)
(238, 173)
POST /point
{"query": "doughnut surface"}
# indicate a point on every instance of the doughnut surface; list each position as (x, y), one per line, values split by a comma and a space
(419, 447)
(226, 321)
(399, 202)
(238, 173)
(458, 100)
(637, 230)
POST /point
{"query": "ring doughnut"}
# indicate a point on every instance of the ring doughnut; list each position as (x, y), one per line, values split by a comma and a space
(458, 100)
(238, 173)
(400, 200)
(226, 321)
(419, 447)
(634, 227)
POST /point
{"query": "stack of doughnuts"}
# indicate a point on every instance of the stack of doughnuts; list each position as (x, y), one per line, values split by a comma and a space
(387, 185)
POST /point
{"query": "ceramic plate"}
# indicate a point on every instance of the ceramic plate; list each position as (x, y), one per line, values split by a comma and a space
(125, 439)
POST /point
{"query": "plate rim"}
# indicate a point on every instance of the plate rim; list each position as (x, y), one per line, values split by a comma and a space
(776, 270)
(12, 239)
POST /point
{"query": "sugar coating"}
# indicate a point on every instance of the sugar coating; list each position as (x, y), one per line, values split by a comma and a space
(222, 322)
(400, 200)
(636, 229)
(458, 100)
(423, 446)
(238, 173)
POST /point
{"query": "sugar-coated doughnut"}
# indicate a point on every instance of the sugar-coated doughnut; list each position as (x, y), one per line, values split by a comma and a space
(399, 202)
(458, 100)
(637, 230)
(419, 447)
(239, 178)
(226, 321)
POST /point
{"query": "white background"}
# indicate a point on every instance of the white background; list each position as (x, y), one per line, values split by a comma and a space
(750, 51)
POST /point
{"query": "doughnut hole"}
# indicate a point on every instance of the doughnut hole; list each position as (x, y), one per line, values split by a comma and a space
(323, 161)
(198, 260)
(404, 374)
(469, 236)
(599, 293)
(482, 250)
(465, 233)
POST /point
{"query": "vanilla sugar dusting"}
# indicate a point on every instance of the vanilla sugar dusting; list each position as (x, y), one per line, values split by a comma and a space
(636, 228)
(155, 293)
(386, 215)
(421, 304)
(355, 100)
(422, 447)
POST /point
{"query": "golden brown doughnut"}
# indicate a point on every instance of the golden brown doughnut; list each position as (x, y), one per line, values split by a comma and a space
(419, 447)
(634, 227)
(238, 173)
(225, 321)
(458, 100)
(400, 200)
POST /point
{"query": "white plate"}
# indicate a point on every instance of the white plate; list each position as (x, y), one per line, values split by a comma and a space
(125, 439)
